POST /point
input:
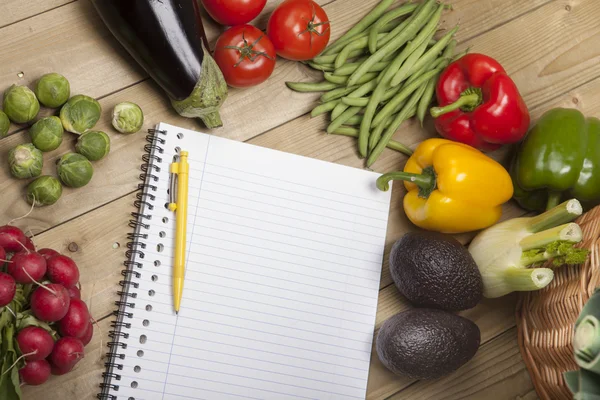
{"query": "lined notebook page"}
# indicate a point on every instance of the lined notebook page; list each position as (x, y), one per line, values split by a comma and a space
(284, 259)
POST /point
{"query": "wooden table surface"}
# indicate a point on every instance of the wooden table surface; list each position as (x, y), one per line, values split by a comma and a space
(550, 47)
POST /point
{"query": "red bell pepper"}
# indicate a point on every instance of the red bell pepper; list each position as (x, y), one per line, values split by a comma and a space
(479, 104)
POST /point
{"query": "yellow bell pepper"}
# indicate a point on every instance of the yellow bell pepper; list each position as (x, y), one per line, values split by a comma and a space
(452, 187)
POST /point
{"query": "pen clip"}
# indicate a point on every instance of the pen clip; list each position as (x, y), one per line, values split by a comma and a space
(173, 185)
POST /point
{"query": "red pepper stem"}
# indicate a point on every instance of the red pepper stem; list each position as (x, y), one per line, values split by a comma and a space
(425, 181)
(468, 101)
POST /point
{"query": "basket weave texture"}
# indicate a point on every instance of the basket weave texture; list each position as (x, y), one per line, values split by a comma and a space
(545, 318)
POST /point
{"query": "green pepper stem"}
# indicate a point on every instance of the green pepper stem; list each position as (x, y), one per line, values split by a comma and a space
(425, 181)
(563, 213)
(587, 341)
(528, 279)
(468, 101)
(570, 232)
(553, 200)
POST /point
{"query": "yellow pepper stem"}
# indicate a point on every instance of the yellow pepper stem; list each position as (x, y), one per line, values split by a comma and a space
(425, 181)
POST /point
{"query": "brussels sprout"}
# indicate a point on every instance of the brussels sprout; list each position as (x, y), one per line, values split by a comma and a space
(80, 114)
(47, 133)
(20, 104)
(127, 117)
(74, 170)
(44, 191)
(4, 125)
(53, 90)
(94, 145)
(25, 161)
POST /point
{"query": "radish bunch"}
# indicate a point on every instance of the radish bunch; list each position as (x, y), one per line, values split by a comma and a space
(44, 324)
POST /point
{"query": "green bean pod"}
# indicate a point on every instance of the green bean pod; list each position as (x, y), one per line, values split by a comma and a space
(368, 19)
(348, 68)
(330, 58)
(410, 54)
(385, 19)
(430, 55)
(351, 47)
(403, 95)
(392, 144)
(408, 110)
(321, 67)
(339, 121)
(323, 108)
(337, 93)
(354, 120)
(407, 34)
(306, 87)
(361, 91)
(342, 80)
(378, 130)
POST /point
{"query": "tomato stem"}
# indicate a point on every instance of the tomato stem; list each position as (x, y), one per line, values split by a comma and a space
(311, 26)
(247, 50)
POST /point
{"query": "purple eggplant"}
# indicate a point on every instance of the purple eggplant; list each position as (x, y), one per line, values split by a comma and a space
(166, 37)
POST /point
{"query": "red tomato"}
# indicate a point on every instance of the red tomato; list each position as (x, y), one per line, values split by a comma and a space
(299, 29)
(245, 55)
(233, 12)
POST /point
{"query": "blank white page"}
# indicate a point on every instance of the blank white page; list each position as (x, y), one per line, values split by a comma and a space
(283, 266)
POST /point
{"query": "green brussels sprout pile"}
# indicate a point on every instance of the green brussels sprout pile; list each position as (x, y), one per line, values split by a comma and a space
(78, 114)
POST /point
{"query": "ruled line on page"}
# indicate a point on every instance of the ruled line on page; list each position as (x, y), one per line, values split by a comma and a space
(294, 191)
(299, 184)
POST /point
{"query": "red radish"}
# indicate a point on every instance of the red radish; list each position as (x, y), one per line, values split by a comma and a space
(8, 287)
(66, 353)
(35, 372)
(27, 267)
(2, 255)
(29, 244)
(76, 321)
(59, 371)
(12, 239)
(50, 303)
(47, 253)
(87, 336)
(33, 339)
(74, 292)
(63, 270)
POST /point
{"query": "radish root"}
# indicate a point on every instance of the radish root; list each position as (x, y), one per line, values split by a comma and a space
(25, 247)
(39, 283)
(24, 216)
(11, 311)
(100, 333)
(8, 261)
(19, 359)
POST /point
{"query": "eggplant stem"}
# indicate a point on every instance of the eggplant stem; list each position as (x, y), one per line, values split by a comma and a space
(561, 214)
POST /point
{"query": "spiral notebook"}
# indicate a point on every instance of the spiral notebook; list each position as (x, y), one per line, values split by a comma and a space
(283, 264)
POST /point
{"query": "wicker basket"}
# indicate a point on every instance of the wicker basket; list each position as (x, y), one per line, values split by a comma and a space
(545, 318)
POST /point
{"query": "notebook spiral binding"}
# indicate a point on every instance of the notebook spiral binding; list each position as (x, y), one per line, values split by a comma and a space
(144, 202)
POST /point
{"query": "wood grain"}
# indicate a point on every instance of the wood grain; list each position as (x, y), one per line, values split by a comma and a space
(12, 11)
(496, 372)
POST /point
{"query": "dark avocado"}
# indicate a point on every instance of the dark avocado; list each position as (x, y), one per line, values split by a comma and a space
(426, 343)
(434, 270)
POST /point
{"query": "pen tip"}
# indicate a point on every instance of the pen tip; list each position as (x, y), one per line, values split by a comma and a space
(176, 312)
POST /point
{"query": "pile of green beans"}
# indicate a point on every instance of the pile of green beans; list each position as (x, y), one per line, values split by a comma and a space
(382, 72)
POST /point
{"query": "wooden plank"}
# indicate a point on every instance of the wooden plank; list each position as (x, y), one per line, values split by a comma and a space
(82, 382)
(93, 69)
(12, 11)
(496, 372)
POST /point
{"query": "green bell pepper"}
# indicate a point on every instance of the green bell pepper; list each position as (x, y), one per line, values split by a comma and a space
(559, 159)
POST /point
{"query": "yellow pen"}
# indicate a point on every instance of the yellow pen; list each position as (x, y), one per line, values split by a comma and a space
(180, 171)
